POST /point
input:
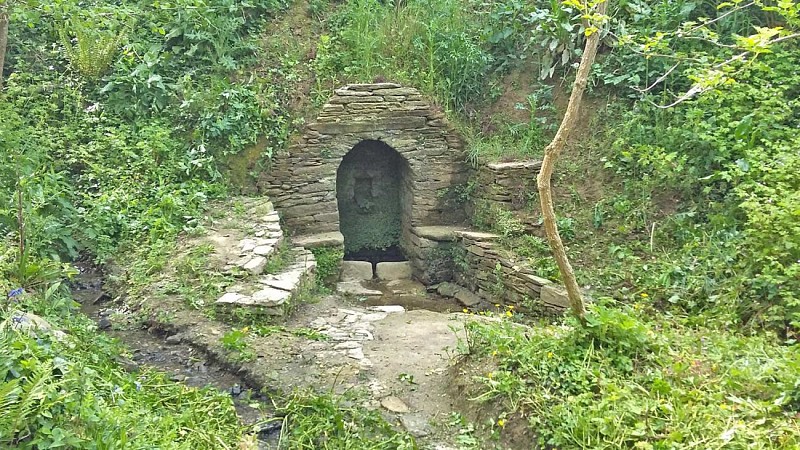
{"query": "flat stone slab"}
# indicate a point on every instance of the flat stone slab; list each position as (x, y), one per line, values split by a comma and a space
(256, 265)
(537, 280)
(478, 235)
(369, 86)
(388, 271)
(270, 297)
(531, 165)
(554, 295)
(264, 250)
(355, 288)
(333, 238)
(286, 281)
(468, 298)
(438, 233)
(356, 271)
(388, 308)
(394, 404)
(231, 298)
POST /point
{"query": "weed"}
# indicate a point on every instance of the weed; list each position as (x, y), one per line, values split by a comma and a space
(236, 341)
(71, 392)
(572, 376)
(328, 260)
(311, 421)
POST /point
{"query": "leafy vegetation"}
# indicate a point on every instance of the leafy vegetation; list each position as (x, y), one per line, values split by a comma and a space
(627, 381)
(120, 121)
(319, 421)
(69, 390)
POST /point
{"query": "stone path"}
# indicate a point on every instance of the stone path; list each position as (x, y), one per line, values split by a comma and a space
(401, 359)
(263, 241)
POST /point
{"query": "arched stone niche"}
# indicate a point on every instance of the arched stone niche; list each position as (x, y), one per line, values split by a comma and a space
(371, 185)
(302, 182)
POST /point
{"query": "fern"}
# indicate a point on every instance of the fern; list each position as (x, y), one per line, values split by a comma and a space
(31, 396)
(92, 50)
(9, 396)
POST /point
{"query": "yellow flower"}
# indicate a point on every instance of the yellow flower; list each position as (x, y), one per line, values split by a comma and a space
(494, 353)
(510, 306)
(497, 305)
(465, 310)
(490, 375)
(245, 329)
(549, 354)
(508, 313)
(501, 423)
(644, 295)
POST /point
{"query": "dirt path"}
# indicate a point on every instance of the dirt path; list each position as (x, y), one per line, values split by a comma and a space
(396, 360)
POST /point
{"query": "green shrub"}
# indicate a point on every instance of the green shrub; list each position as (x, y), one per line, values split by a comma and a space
(626, 382)
(731, 155)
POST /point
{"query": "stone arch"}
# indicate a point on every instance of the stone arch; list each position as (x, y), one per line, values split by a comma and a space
(302, 181)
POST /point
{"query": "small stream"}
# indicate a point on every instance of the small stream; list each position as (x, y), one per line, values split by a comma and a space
(167, 354)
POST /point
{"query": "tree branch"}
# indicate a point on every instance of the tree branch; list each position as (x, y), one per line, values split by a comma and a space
(551, 152)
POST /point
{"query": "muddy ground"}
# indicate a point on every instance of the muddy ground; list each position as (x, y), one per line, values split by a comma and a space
(397, 351)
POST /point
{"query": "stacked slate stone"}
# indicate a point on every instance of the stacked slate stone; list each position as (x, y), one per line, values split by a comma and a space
(269, 292)
(509, 186)
(495, 276)
(302, 182)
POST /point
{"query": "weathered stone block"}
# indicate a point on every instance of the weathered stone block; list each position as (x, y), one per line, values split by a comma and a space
(256, 265)
(356, 271)
(370, 86)
(448, 289)
(328, 108)
(396, 91)
(344, 100)
(330, 239)
(553, 295)
(349, 93)
(388, 271)
(270, 297)
(467, 298)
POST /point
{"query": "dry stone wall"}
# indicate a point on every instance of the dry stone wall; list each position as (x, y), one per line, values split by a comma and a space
(508, 186)
(495, 274)
(302, 182)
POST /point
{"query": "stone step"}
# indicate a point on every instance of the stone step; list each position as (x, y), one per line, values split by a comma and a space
(460, 293)
(438, 233)
(389, 270)
(356, 288)
(256, 250)
(273, 291)
(331, 239)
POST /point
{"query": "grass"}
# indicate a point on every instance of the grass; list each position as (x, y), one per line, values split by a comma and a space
(630, 381)
(312, 421)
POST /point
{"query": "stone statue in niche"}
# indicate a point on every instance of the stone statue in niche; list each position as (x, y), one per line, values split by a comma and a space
(362, 193)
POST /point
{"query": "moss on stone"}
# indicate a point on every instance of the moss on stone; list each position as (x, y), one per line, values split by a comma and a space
(329, 259)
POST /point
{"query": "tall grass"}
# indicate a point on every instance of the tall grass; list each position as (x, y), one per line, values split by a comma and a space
(436, 46)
